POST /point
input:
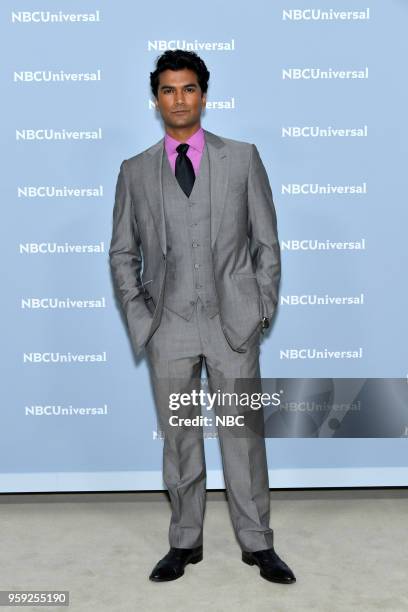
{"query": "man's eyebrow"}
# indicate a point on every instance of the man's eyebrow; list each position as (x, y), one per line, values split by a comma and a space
(188, 85)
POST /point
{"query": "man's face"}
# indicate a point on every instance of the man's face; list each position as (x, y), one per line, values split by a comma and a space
(179, 98)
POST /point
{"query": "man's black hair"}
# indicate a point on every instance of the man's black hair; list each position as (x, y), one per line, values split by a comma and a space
(177, 60)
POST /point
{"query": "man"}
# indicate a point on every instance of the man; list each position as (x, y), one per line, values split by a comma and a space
(195, 210)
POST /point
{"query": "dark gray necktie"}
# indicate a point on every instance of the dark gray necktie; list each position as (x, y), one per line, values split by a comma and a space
(184, 169)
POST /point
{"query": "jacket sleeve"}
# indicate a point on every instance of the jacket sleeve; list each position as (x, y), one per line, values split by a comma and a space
(124, 252)
(125, 259)
(263, 234)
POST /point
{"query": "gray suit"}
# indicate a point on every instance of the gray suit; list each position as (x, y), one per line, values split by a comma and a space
(188, 306)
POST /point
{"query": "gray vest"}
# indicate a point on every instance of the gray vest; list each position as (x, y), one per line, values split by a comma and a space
(190, 273)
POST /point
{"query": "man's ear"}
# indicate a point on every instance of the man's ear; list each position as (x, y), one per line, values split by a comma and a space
(204, 100)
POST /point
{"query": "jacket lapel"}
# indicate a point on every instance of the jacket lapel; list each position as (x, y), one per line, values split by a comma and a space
(152, 165)
(219, 174)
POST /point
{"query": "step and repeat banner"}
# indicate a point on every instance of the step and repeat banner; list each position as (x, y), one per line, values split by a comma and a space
(320, 89)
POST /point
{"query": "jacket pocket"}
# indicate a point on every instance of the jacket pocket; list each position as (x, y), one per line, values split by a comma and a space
(244, 274)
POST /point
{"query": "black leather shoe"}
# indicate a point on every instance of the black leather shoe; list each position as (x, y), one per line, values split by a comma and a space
(172, 565)
(271, 565)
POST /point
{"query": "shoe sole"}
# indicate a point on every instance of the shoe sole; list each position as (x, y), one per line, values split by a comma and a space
(250, 561)
(193, 560)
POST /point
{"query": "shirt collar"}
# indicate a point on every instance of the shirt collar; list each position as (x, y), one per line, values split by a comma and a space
(196, 141)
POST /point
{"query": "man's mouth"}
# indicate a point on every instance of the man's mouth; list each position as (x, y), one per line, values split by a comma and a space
(177, 112)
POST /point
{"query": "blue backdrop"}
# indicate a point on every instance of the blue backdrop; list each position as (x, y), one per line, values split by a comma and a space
(322, 94)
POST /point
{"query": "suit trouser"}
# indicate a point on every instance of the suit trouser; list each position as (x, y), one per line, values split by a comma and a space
(175, 353)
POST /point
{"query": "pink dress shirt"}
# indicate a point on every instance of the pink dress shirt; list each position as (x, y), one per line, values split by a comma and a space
(195, 150)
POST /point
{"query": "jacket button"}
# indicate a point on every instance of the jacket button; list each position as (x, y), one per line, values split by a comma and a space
(164, 257)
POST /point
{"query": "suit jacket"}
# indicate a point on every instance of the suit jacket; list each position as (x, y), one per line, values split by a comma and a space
(244, 240)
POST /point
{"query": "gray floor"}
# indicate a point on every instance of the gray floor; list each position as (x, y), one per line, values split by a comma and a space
(348, 549)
